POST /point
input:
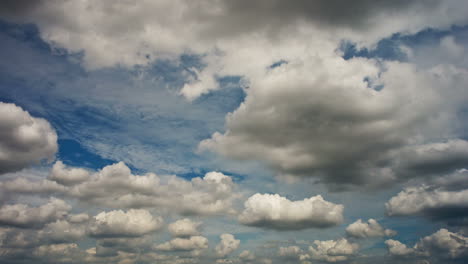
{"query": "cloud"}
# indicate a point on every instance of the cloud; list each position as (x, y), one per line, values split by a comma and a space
(132, 223)
(24, 140)
(444, 198)
(246, 255)
(21, 215)
(62, 231)
(297, 117)
(184, 244)
(333, 250)
(372, 228)
(290, 252)
(184, 228)
(227, 245)
(276, 212)
(67, 176)
(115, 186)
(441, 245)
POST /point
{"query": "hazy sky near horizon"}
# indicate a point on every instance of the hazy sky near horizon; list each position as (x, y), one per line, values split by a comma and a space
(219, 131)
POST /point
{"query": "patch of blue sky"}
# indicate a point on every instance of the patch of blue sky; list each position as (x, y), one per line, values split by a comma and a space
(390, 48)
(134, 115)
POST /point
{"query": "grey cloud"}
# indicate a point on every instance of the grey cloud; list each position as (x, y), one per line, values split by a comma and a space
(277, 212)
(21, 215)
(24, 140)
(445, 198)
(317, 118)
(441, 246)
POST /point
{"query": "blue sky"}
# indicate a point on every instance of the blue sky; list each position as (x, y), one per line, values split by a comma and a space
(250, 132)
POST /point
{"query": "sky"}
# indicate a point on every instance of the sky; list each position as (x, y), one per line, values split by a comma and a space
(217, 131)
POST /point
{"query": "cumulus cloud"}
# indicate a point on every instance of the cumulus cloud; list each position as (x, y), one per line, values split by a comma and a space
(290, 252)
(227, 245)
(372, 228)
(24, 140)
(65, 176)
(298, 116)
(21, 215)
(62, 231)
(184, 228)
(445, 198)
(115, 186)
(184, 244)
(134, 222)
(276, 212)
(333, 250)
(441, 245)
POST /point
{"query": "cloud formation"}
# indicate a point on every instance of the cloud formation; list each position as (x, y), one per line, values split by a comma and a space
(333, 250)
(24, 140)
(442, 245)
(21, 215)
(276, 212)
(372, 228)
(184, 228)
(227, 245)
(132, 223)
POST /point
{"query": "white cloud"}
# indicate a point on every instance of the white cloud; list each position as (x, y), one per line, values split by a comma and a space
(443, 244)
(333, 250)
(246, 255)
(184, 228)
(227, 245)
(22, 215)
(276, 212)
(115, 186)
(184, 244)
(134, 222)
(64, 176)
(62, 231)
(290, 252)
(433, 201)
(396, 248)
(24, 140)
(372, 228)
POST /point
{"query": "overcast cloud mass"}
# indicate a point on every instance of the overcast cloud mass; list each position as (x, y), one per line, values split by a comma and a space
(249, 131)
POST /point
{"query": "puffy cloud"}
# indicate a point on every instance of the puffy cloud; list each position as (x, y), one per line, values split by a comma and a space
(66, 176)
(25, 186)
(246, 255)
(227, 245)
(445, 198)
(443, 244)
(115, 186)
(134, 222)
(21, 215)
(298, 116)
(184, 228)
(372, 228)
(396, 248)
(276, 212)
(184, 244)
(62, 231)
(24, 140)
(333, 250)
(290, 252)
